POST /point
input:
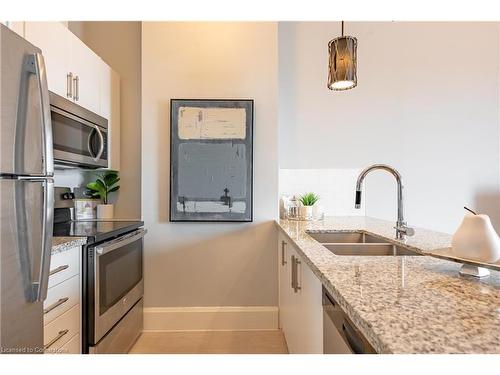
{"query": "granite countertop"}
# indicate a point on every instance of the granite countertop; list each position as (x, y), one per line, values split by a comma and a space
(60, 244)
(404, 304)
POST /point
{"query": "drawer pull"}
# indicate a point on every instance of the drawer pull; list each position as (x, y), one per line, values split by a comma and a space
(55, 339)
(55, 304)
(58, 269)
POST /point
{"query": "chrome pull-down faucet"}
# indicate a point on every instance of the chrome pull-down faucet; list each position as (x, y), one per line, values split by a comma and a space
(402, 230)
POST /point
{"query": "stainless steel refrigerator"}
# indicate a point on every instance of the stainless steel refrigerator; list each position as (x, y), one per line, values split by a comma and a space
(26, 193)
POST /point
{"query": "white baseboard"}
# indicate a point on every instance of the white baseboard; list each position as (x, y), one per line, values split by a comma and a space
(210, 318)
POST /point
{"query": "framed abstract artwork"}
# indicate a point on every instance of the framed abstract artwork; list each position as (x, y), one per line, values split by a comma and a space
(211, 160)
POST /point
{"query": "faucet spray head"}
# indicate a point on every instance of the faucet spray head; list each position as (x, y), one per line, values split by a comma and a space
(357, 203)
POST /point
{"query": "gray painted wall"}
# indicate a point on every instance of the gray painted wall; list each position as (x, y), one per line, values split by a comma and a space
(209, 264)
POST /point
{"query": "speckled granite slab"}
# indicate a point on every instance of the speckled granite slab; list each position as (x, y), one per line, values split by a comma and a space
(60, 244)
(405, 304)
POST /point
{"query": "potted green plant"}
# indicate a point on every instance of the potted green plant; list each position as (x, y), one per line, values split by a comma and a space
(306, 210)
(106, 183)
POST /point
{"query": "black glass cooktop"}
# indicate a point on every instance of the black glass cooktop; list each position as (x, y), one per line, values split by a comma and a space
(96, 230)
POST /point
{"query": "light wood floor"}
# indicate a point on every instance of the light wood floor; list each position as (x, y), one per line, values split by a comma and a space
(211, 342)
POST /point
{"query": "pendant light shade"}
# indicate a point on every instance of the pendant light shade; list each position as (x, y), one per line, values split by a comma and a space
(342, 62)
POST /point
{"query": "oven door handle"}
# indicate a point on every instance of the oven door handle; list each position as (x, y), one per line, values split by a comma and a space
(120, 242)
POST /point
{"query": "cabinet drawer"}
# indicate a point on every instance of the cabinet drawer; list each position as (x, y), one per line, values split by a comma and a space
(73, 346)
(61, 330)
(61, 298)
(64, 265)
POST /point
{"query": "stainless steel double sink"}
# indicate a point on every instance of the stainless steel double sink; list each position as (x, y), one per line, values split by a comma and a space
(359, 243)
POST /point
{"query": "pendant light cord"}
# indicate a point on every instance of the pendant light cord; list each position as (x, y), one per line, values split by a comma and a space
(342, 28)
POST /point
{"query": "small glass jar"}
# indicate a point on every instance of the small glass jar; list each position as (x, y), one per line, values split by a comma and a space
(293, 209)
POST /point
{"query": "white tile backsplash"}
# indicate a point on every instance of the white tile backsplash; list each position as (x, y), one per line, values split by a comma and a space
(336, 188)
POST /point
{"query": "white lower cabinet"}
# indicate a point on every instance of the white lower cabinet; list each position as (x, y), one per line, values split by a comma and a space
(300, 302)
(62, 312)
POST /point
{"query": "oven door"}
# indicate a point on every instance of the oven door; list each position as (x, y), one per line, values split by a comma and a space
(78, 141)
(118, 280)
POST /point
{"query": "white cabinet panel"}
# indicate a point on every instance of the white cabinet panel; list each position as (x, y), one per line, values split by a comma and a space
(86, 68)
(64, 265)
(301, 310)
(61, 330)
(61, 298)
(54, 41)
(110, 109)
(285, 288)
(73, 346)
(309, 311)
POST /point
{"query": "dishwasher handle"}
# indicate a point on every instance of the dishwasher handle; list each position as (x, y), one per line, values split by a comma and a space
(352, 338)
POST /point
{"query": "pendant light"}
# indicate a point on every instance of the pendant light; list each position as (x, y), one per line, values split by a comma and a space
(342, 62)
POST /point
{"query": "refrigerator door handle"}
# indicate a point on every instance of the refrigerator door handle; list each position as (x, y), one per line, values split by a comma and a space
(41, 74)
(47, 228)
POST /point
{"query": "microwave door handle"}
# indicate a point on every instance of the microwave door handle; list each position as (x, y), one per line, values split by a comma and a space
(89, 147)
(101, 147)
(41, 74)
(120, 242)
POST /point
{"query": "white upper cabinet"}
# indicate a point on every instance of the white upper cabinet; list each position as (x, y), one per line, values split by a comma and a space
(86, 68)
(55, 42)
(110, 109)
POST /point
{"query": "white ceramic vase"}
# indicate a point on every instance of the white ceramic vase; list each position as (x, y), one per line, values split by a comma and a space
(105, 211)
(475, 239)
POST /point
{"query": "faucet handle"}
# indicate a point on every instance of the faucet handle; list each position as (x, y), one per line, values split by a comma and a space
(407, 231)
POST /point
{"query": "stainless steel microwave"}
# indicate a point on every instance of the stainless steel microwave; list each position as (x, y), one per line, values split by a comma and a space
(80, 136)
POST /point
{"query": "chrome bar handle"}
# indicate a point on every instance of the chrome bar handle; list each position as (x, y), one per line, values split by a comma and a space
(283, 245)
(76, 82)
(293, 271)
(41, 73)
(55, 305)
(58, 269)
(120, 242)
(55, 339)
(47, 228)
(297, 286)
(69, 85)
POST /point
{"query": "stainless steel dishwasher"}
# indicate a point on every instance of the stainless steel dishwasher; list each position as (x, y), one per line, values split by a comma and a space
(340, 336)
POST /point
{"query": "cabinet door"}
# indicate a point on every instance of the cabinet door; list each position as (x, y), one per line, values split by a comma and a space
(285, 288)
(292, 308)
(301, 310)
(110, 109)
(86, 68)
(309, 310)
(54, 41)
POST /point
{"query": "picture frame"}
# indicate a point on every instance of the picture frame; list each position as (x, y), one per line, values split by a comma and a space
(211, 160)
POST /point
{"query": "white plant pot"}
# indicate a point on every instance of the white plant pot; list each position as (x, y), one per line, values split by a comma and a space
(306, 212)
(105, 211)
